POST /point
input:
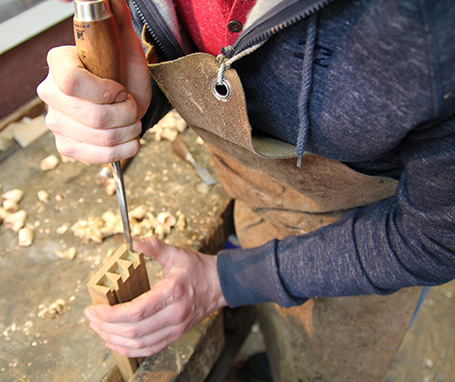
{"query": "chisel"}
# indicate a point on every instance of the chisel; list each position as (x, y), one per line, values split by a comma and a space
(183, 151)
(98, 48)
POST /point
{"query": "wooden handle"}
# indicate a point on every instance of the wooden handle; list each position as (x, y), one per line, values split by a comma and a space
(97, 43)
(181, 148)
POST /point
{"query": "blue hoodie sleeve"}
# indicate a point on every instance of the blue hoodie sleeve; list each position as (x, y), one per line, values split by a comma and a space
(407, 240)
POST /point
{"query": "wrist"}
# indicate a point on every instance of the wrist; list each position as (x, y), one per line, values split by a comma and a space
(217, 293)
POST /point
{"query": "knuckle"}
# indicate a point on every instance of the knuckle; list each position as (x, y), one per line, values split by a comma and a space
(51, 122)
(138, 345)
(122, 351)
(137, 128)
(132, 111)
(68, 84)
(107, 138)
(103, 97)
(181, 315)
(112, 155)
(96, 119)
(131, 333)
(178, 292)
(65, 150)
(137, 315)
(41, 89)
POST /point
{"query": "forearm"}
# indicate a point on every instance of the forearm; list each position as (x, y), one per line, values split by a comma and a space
(399, 242)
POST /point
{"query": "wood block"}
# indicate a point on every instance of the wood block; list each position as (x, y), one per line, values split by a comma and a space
(28, 131)
(122, 278)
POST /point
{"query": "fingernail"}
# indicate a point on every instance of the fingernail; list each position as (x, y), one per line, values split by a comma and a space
(121, 97)
(137, 241)
(89, 313)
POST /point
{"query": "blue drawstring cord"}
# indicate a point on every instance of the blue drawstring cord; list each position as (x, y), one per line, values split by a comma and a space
(307, 78)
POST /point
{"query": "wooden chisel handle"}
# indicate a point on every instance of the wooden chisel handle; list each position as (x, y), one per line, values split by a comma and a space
(97, 39)
(181, 148)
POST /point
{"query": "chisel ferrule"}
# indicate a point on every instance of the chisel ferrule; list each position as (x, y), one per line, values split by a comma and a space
(88, 11)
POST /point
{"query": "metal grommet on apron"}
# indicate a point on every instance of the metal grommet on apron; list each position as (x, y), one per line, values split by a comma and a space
(222, 91)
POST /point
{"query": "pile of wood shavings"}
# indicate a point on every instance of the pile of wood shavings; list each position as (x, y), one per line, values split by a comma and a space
(58, 307)
(169, 127)
(14, 218)
(143, 223)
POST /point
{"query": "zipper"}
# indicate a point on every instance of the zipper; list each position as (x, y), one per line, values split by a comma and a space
(158, 29)
(266, 27)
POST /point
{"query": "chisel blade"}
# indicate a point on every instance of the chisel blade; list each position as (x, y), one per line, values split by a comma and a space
(123, 205)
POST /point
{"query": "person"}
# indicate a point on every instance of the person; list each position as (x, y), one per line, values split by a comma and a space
(331, 124)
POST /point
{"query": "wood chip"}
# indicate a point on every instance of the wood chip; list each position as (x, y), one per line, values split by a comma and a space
(15, 221)
(69, 254)
(43, 196)
(49, 163)
(14, 195)
(26, 236)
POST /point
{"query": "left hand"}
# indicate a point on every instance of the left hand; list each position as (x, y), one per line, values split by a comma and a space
(189, 291)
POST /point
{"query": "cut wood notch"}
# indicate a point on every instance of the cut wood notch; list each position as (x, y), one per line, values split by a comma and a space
(122, 278)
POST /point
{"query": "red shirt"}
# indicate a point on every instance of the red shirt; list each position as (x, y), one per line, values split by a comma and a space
(215, 23)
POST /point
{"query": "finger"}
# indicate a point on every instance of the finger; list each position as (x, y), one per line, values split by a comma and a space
(139, 309)
(92, 154)
(70, 76)
(149, 246)
(137, 337)
(138, 353)
(86, 112)
(131, 340)
(63, 125)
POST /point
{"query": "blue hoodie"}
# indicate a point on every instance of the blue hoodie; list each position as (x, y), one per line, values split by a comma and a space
(379, 96)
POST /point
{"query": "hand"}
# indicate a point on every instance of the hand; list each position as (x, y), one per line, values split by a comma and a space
(189, 291)
(97, 120)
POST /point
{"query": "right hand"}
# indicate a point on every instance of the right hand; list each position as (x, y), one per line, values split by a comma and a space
(97, 120)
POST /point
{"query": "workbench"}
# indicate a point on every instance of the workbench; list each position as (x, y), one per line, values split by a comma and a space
(64, 348)
(39, 348)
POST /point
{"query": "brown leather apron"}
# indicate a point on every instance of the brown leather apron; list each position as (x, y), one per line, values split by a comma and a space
(326, 339)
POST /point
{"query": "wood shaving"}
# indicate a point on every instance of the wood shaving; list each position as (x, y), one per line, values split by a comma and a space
(142, 222)
(139, 212)
(166, 219)
(59, 307)
(181, 222)
(26, 236)
(110, 187)
(49, 163)
(169, 127)
(14, 195)
(69, 254)
(15, 221)
(43, 196)
(90, 229)
(3, 214)
(62, 229)
(10, 206)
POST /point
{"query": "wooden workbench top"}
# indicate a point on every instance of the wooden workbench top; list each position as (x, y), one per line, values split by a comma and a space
(63, 348)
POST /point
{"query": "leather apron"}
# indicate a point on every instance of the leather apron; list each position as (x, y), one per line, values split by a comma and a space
(325, 339)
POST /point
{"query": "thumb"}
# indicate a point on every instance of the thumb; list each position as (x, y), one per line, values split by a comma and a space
(151, 247)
